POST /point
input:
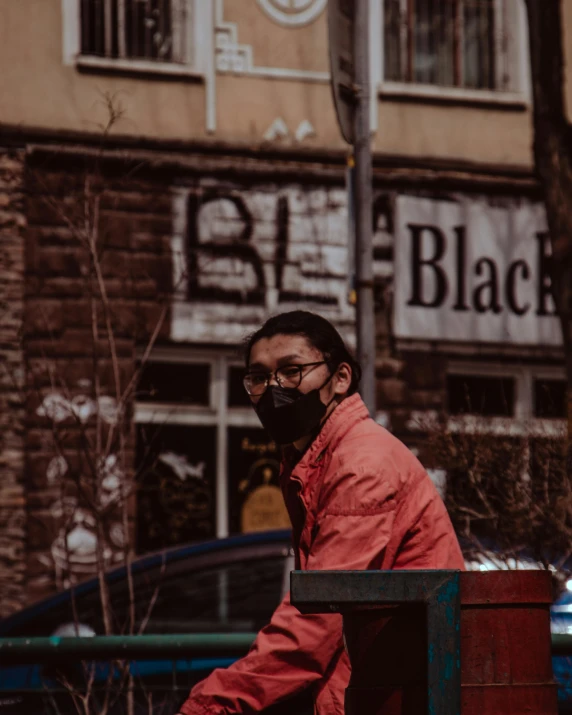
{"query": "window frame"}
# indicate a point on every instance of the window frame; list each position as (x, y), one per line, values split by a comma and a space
(217, 414)
(524, 420)
(199, 39)
(523, 423)
(517, 96)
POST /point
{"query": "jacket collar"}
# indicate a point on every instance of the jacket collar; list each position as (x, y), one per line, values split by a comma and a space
(340, 421)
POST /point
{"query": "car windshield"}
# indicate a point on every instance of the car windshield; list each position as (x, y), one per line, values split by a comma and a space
(232, 591)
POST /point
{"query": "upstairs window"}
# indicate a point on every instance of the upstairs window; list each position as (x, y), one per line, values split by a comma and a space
(155, 30)
(464, 44)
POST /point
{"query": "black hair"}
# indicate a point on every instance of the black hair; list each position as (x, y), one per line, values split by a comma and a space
(318, 331)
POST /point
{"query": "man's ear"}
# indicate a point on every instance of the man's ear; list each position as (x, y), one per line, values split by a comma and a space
(343, 378)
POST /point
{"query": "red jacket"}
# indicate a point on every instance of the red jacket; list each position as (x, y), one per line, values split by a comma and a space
(358, 499)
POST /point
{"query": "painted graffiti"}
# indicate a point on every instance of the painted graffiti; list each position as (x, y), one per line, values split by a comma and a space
(241, 246)
(58, 407)
(180, 465)
(73, 552)
(264, 248)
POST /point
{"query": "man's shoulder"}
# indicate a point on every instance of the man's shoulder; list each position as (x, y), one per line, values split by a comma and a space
(368, 440)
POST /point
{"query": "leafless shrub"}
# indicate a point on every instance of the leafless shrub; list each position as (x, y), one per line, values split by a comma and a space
(506, 489)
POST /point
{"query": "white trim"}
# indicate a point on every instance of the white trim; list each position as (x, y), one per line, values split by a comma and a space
(508, 370)
(221, 492)
(195, 416)
(389, 90)
(199, 44)
(152, 413)
(523, 420)
(71, 31)
(235, 58)
(376, 59)
(171, 353)
(242, 417)
(285, 73)
(507, 427)
(142, 66)
(204, 46)
(427, 420)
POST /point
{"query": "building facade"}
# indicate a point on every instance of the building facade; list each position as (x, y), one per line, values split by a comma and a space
(195, 142)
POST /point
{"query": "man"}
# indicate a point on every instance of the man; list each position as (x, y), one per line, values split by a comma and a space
(357, 499)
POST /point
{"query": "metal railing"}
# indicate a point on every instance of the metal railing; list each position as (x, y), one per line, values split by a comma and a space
(15, 651)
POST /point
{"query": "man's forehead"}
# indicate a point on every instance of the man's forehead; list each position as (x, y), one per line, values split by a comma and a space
(279, 347)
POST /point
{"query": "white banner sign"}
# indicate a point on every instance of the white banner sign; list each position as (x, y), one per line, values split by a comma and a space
(473, 271)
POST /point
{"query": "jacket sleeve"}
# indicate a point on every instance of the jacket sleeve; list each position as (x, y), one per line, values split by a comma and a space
(295, 650)
(290, 653)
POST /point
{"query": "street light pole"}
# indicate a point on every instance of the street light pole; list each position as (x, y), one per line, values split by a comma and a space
(365, 318)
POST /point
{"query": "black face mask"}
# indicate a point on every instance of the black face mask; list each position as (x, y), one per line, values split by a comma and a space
(288, 414)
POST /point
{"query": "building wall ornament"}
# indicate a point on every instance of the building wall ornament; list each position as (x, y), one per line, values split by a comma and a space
(293, 13)
(233, 57)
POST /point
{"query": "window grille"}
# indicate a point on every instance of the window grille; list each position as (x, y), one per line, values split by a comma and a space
(450, 43)
(156, 30)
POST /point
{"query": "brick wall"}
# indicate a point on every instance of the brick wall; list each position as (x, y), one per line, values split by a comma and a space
(12, 499)
(289, 237)
(71, 375)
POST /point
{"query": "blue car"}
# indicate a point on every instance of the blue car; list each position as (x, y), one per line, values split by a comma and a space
(225, 586)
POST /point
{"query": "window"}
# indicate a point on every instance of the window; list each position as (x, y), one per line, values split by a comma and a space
(155, 30)
(480, 395)
(463, 44)
(185, 383)
(165, 36)
(205, 467)
(501, 448)
(527, 397)
(176, 475)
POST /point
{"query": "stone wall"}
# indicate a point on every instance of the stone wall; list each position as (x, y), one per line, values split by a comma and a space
(12, 497)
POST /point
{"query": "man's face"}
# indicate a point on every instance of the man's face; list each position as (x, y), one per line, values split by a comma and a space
(270, 354)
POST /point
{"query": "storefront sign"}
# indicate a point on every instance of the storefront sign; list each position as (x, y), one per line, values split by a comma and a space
(475, 271)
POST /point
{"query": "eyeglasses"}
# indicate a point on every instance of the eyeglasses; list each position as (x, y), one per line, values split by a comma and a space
(255, 383)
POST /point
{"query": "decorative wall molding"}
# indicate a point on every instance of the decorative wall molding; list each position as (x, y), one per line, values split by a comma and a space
(233, 57)
(293, 13)
(305, 130)
(276, 130)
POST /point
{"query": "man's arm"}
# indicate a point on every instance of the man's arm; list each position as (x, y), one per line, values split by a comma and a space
(290, 653)
(294, 650)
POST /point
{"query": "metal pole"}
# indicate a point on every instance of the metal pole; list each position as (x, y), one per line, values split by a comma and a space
(363, 222)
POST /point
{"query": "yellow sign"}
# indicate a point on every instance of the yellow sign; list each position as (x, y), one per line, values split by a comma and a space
(264, 509)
